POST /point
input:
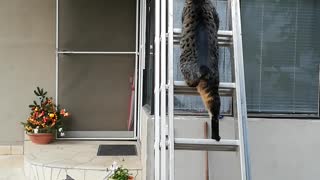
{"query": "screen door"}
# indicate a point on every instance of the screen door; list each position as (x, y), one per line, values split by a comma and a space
(97, 67)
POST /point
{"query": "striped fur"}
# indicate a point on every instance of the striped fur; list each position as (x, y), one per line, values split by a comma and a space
(199, 55)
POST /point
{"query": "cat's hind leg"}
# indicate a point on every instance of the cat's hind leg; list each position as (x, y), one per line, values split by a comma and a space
(215, 111)
(211, 99)
(191, 73)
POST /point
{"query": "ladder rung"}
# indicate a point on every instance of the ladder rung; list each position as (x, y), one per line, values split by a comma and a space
(224, 37)
(223, 85)
(220, 32)
(206, 144)
(180, 87)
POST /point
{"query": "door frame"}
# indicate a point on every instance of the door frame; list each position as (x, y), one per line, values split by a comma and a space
(138, 78)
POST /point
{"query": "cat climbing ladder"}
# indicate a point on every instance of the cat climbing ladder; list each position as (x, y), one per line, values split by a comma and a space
(165, 89)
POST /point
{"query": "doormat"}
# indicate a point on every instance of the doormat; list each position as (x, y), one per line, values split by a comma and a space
(117, 150)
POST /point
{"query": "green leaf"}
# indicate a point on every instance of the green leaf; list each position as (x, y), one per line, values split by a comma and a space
(35, 92)
(38, 90)
(41, 91)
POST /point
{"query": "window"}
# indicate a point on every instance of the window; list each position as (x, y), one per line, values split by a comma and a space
(281, 55)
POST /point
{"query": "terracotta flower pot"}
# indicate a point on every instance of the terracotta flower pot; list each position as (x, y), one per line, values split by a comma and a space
(41, 138)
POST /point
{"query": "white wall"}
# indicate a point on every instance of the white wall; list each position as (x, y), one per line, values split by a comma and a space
(27, 60)
(280, 149)
(146, 142)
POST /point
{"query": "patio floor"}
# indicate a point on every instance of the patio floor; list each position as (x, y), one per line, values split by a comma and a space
(11, 167)
(77, 159)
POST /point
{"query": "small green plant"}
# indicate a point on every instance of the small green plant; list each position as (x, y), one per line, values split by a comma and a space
(121, 174)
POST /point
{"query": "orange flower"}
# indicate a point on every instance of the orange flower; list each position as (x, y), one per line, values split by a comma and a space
(34, 122)
(54, 123)
(28, 128)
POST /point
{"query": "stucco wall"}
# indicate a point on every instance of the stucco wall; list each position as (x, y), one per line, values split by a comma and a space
(147, 142)
(27, 60)
(280, 149)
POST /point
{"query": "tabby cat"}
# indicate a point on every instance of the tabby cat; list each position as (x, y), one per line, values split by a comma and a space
(199, 55)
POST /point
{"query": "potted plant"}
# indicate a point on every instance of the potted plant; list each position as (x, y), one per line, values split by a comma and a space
(46, 118)
(121, 173)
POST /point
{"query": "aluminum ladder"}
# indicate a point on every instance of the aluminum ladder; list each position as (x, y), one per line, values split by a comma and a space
(165, 89)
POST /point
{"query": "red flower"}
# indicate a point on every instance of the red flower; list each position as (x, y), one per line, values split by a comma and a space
(62, 111)
(42, 113)
(45, 119)
(35, 115)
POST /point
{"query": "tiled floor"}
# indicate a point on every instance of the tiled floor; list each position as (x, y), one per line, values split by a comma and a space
(75, 159)
(11, 167)
(56, 160)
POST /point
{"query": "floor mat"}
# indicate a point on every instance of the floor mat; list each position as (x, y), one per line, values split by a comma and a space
(117, 150)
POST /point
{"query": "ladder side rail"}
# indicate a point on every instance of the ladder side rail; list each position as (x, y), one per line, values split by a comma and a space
(233, 74)
(156, 92)
(240, 90)
(170, 91)
(163, 72)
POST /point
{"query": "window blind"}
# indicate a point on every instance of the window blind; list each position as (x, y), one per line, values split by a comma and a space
(281, 55)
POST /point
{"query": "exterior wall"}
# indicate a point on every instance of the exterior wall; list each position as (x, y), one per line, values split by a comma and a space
(146, 141)
(279, 148)
(27, 60)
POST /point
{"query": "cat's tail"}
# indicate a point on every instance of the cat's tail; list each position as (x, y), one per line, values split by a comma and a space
(208, 89)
